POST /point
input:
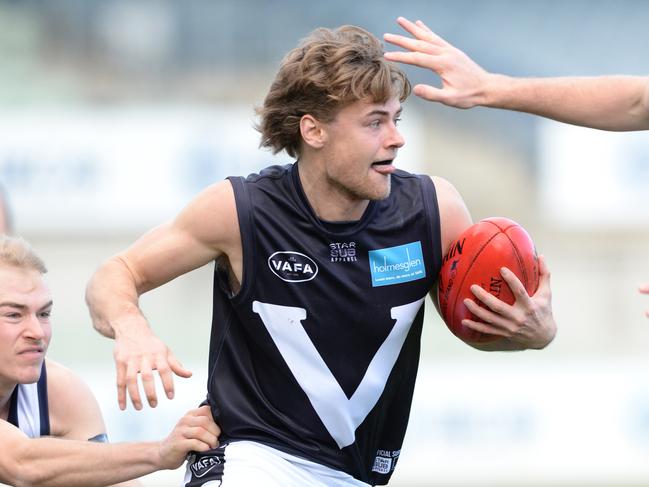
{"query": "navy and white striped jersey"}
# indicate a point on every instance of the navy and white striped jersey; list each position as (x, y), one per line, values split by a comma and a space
(28, 408)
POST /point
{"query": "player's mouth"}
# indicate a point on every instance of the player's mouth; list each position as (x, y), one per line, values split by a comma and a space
(383, 167)
(32, 352)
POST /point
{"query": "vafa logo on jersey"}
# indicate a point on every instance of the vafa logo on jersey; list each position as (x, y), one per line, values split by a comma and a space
(292, 266)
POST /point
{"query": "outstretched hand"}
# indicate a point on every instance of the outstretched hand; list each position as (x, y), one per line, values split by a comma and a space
(528, 323)
(140, 352)
(462, 79)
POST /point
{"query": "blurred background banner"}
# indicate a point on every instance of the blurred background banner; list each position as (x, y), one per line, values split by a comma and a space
(115, 113)
(105, 171)
(590, 179)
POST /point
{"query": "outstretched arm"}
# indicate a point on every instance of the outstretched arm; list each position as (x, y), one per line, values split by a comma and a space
(73, 410)
(206, 229)
(617, 103)
(53, 462)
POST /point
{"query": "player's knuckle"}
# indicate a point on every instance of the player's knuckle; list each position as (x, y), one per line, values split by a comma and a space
(163, 367)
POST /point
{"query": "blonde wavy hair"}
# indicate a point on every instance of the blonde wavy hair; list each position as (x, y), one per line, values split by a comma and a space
(327, 71)
(16, 252)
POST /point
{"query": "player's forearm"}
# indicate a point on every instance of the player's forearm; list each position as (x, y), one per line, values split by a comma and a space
(51, 462)
(112, 297)
(607, 102)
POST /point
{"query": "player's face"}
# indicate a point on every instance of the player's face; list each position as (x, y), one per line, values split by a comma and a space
(25, 330)
(362, 141)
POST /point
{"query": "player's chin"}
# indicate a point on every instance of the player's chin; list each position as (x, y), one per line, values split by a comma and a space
(380, 189)
(29, 375)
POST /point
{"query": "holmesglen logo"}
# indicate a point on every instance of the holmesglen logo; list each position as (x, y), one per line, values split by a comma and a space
(395, 265)
(292, 266)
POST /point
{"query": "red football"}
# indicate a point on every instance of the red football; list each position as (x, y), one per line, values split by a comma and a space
(476, 258)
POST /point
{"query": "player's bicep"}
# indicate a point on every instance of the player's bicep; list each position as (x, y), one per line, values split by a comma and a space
(454, 216)
(454, 219)
(205, 229)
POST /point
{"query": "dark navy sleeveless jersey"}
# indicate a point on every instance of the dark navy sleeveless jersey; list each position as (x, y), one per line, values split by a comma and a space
(317, 353)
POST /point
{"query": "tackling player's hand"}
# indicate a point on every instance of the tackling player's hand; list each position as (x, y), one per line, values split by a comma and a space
(528, 323)
(138, 352)
(195, 431)
(463, 80)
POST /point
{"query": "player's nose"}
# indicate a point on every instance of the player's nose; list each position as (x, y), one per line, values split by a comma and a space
(34, 328)
(395, 140)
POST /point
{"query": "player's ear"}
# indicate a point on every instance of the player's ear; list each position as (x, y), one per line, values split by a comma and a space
(313, 132)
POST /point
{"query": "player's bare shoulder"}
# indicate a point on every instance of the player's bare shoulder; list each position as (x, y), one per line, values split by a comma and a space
(453, 213)
(211, 218)
(74, 412)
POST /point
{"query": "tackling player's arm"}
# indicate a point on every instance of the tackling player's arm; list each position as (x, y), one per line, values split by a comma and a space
(73, 410)
(206, 229)
(604, 102)
(55, 462)
(528, 323)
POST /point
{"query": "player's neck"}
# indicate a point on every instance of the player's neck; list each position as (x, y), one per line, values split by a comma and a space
(329, 202)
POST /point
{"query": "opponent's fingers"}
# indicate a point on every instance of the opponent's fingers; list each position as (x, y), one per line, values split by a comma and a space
(420, 32)
(516, 287)
(199, 445)
(207, 424)
(203, 410)
(430, 93)
(200, 427)
(131, 384)
(644, 289)
(411, 44)
(413, 58)
(148, 384)
(420, 23)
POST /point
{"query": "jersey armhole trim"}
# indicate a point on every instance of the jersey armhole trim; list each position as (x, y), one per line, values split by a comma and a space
(246, 229)
(43, 405)
(433, 223)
